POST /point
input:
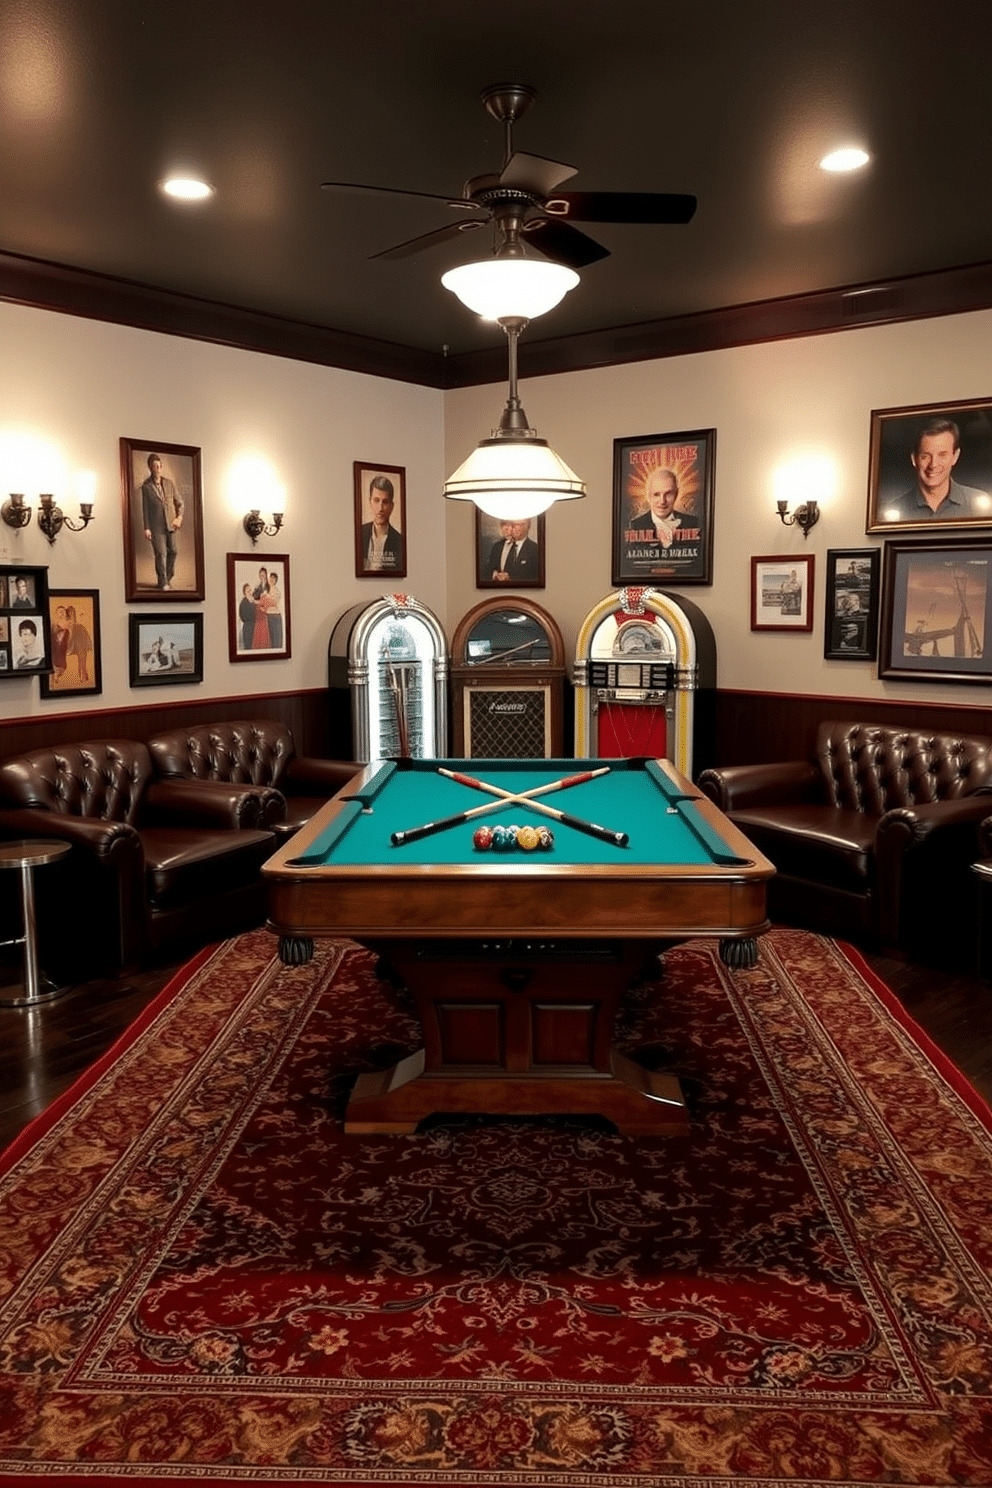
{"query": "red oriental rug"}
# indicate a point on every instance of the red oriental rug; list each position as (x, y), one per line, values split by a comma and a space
(203, 1280)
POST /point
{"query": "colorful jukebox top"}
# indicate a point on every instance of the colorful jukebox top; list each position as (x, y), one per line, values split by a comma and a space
(645, 677)
(508, 681)
(393, 656)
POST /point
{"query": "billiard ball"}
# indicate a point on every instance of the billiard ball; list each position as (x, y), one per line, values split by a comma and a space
(482, 838)
(545, 839)
(502, 839)
(527, 838)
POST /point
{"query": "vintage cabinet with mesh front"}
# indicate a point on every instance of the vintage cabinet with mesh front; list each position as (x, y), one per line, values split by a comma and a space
(507, 682)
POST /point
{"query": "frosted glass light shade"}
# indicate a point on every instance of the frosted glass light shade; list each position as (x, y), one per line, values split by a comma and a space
(514, 478)
(504, 288)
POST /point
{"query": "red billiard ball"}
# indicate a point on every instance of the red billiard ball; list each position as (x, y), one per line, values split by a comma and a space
(482, 838)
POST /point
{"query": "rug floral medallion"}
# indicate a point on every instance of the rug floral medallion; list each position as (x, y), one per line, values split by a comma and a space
(203, 1279)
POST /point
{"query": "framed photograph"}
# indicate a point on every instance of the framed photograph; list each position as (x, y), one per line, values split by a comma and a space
(937, 611)
(850, 622)
(163, 522)
(380, 520)
(509, 555)
(782, 592)
(258, 607)
(663, 508)
(165, 649)
(25, 630)
(929, 466)
(74, 615)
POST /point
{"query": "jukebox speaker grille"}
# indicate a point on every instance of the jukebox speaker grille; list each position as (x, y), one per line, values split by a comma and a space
(507, 722)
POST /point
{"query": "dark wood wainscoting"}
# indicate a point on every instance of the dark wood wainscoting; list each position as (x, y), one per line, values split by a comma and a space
(753, 727)
(310, 716)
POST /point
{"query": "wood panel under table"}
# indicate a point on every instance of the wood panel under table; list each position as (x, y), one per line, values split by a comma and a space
(517, 961)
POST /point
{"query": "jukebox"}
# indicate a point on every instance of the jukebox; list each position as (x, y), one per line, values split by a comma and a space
(645, 680)
(393, 658)
(507, 682)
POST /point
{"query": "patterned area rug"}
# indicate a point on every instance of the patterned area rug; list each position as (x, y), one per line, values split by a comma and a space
(202, 1279)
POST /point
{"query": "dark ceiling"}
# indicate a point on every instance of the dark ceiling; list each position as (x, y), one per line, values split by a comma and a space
(734, 100)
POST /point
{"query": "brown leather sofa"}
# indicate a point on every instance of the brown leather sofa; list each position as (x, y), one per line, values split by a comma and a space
(153, 863)
(873, 837)
(258, 752)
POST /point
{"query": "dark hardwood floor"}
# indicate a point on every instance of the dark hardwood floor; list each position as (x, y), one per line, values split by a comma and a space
(45, 1048)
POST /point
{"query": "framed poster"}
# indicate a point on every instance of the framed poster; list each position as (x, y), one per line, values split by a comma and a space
(258, 607)
(663, 508)
(782, 592)
(74, 615)
(937, 611)
(163, 522)
(930, 466)
(850, 620)
(380, 520)
(165, 649)
(509, 555)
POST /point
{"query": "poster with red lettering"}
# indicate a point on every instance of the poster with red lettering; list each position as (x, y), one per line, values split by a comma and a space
(663, 508)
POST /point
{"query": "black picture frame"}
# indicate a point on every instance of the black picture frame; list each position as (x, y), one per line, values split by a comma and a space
(275, 642)
(367, 476)
(678, 549)
(77, 651)
(936, 606)
(180, 468)
(183, 632)
(850, 614)
(527, 571)
(893, 502)
(25, 627)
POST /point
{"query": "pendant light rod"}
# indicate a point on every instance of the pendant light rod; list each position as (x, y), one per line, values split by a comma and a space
(514, 420)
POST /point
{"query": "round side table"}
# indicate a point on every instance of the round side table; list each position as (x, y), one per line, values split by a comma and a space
(25, 857)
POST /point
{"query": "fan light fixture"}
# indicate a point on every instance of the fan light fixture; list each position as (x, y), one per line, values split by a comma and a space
(514, 474)
(502, 287)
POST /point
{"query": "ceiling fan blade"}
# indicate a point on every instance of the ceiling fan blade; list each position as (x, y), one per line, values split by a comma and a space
(427, 240)
(652, 207)
(534, 174)
(563, 243)
(354, 189)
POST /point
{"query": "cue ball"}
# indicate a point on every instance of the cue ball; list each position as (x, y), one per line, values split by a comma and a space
(527, 838)
(483, 838)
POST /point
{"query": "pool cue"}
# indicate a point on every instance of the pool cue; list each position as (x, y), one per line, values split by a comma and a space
(605, 834)
(460, 817)
(502, 655)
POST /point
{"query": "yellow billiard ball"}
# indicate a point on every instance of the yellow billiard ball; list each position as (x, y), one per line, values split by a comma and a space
(528, 838)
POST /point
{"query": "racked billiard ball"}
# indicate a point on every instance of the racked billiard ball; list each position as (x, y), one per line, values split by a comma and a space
(545, 839)
(502, 839)
(527, 838)
(482, 838)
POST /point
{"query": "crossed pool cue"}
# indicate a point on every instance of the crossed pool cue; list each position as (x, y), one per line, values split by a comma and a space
(509, 798)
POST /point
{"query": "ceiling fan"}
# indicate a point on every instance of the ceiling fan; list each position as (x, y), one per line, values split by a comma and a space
(523, 197)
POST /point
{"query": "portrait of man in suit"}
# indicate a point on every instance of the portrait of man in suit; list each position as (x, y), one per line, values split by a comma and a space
(509, 554)
(380, 521)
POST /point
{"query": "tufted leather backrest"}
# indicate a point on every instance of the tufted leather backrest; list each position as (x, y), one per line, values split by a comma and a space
(238, 753)
(105, 779)
(873, 768)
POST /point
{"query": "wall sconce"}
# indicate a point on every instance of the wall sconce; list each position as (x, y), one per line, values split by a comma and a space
(254, 525)
(51, 518)
(14, 512)
(805, 516)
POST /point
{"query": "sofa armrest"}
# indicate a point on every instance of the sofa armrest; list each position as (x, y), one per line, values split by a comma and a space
(736, 787)
(212, 803)
(109, 842)
(307, 776)
(921, 855)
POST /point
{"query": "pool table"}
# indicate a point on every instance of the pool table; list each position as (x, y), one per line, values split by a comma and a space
(517, 960)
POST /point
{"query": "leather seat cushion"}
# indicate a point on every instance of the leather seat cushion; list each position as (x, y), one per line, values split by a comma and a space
(825, 844)
(182, 863)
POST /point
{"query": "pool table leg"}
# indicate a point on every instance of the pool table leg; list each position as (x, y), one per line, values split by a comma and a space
(295, 950)
(739, 955)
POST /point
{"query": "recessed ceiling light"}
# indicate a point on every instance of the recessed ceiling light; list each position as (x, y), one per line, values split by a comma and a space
(844, 160)
(186, 188)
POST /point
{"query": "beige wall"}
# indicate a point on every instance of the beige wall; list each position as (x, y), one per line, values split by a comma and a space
(771, 405)
(79, 385)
